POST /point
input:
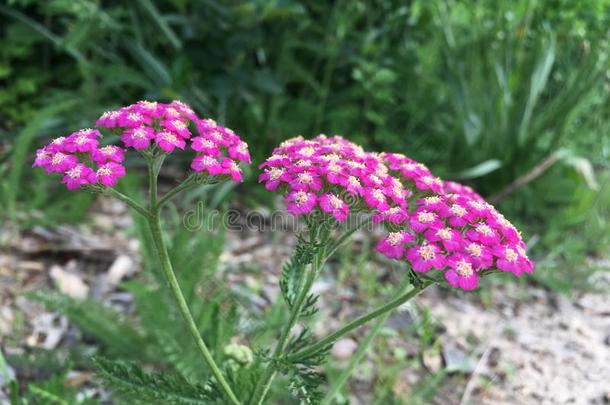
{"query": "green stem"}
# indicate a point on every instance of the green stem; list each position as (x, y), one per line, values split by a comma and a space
(357, 357)
(154, 222)
(266, 379)
(355, 324)
(172, 282)
(152, 183)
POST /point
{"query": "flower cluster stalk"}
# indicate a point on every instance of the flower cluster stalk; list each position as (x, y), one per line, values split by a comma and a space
(172, 282)
(153, 217)
(358, 322)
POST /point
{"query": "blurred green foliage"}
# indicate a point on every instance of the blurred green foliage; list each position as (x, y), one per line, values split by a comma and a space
(481, 91)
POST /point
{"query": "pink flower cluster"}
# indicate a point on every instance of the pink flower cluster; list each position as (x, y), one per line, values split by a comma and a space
(336, 176)
(143, 126)
(459, 233)
(169, 126)
(80, 159)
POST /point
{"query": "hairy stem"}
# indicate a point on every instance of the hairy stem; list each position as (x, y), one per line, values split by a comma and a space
(152, 183)
(362, 349)
(356, 323)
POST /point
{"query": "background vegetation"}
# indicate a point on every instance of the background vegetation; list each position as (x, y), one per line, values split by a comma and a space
(510, 97)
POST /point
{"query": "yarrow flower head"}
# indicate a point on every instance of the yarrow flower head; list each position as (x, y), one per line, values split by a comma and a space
(460, 234)
(151, 128)
(334, 176)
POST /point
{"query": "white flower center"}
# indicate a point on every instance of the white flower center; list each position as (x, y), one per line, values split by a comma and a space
(81, 139)
(484, 229)
(336, 201)
(458, 210)
(275, 173)
(355, 165)
(301, 198)
(464, 268)
(139, 133)
(58, 158)
(394, 238)
(305, 178)
(274, 157)
(444, 233)
(169, 137)
(476, 205)
(334, 168)
(426, 252)
(431, 200)
(376, 180)
(330, 157)
(208, 161)
(307, 151)
(511, 255)
(474, 249)
(148, 105)
(178, 124)
(172, 111)
(74, 173)
(425, 217)
(378, 195)
(353, 181)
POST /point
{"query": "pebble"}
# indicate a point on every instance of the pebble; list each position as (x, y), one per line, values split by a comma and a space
(344, 348)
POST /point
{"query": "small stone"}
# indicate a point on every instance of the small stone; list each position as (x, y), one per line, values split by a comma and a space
(48, 330)
(121, 267)
(456, 359)
(432, 360)
(69, 283)
(344, 348)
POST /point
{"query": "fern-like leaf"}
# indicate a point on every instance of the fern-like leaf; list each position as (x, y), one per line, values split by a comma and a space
(293, 271)
(304, 384)
(131, 382)
(309, 308)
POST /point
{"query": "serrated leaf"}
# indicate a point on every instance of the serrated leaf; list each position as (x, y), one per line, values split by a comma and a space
(292, 276)
(131, 382)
